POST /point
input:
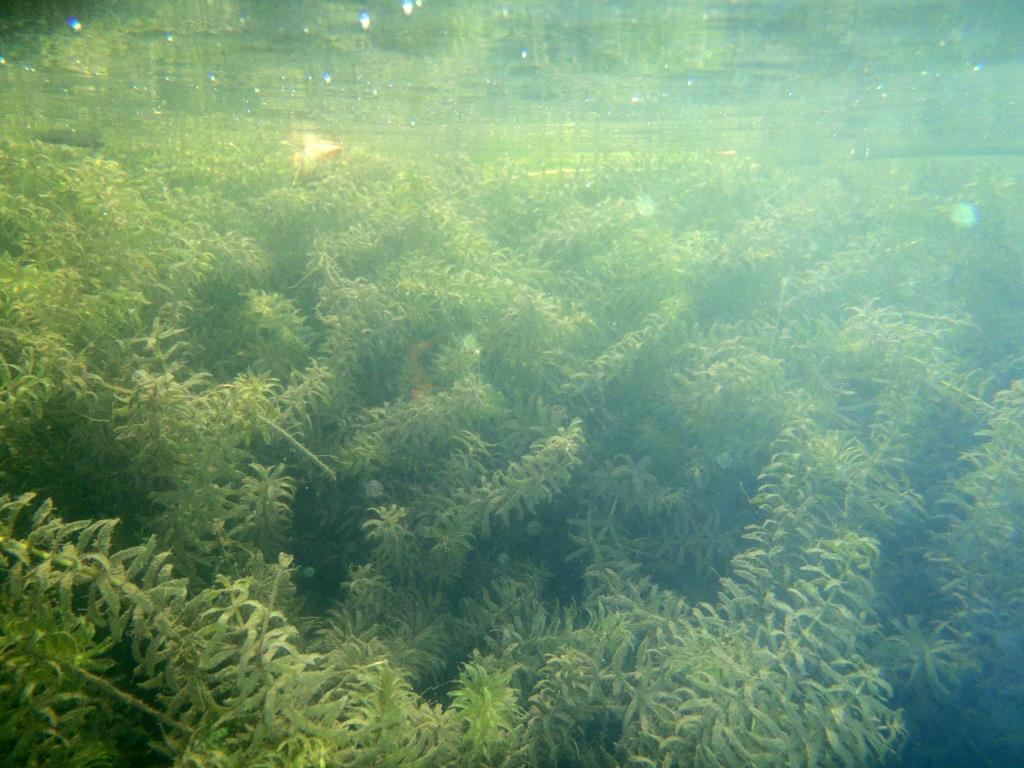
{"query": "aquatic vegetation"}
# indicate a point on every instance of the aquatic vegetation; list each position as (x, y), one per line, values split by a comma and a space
(486, 703)
(221, 664)
(932, 661)
(479, 465)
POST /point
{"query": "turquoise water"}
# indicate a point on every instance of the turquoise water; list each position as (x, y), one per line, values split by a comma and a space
(511, 383)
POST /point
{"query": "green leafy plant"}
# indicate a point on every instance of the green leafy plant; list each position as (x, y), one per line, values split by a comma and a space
(485, 703)
(645, 459)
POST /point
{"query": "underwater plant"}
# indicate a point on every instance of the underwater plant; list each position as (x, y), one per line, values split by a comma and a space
(485, 701)
(652, 460)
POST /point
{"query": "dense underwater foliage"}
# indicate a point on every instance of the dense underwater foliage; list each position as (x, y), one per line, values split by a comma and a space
(678, 461)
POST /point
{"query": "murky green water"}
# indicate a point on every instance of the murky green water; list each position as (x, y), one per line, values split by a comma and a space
(799, 81)
(512, 384)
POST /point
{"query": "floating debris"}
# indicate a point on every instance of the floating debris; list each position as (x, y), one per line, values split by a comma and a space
(313, 152)
(470, 344)
(645, 206)
(964, 215)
